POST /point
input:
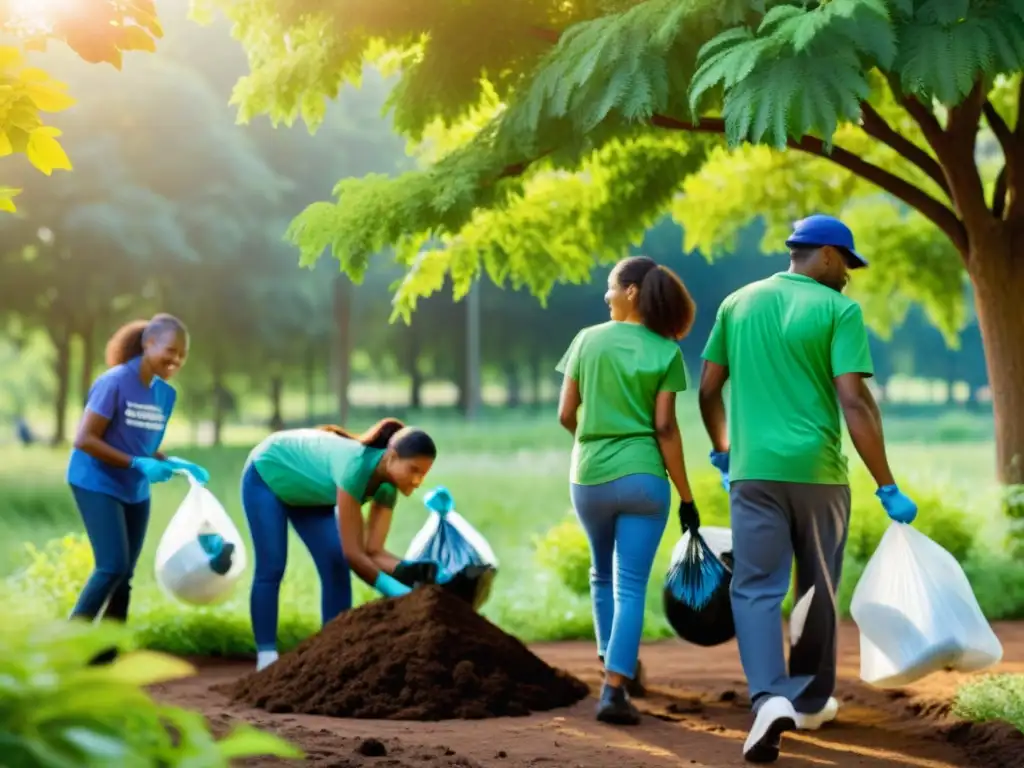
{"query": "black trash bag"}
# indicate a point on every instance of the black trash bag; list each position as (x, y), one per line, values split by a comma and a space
(457, 547)
(696, 592)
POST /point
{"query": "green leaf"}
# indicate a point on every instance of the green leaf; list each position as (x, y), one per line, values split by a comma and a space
(246, 741)
(943, 12)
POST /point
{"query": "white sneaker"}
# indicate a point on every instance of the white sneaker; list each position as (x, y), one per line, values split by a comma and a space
(812, 722)
(775, 717)
(264, 659)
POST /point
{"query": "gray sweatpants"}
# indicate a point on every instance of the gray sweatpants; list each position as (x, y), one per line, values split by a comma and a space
(774, 523)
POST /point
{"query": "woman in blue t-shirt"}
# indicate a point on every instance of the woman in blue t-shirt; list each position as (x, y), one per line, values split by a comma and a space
(116, 455)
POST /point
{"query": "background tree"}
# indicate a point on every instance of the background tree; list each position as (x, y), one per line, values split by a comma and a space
(634, 97)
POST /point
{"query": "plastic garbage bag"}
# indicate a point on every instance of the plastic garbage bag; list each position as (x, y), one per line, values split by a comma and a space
(448, 539)
(696, 591)
(917, 613)
(201, 554)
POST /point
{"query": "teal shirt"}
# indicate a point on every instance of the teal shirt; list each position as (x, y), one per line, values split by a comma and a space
(306, 467)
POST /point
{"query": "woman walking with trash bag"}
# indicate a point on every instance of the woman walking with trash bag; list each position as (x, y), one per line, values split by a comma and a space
(116, 456)
(625, 374)
(796, 353)
(299, 476)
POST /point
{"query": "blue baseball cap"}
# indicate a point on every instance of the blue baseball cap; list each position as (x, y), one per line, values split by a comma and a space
(820, 230)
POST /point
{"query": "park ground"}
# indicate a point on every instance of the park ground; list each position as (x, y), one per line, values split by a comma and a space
(508, 475)
(696, 715)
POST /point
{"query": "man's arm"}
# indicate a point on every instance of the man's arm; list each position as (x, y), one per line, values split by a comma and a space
(712, 405)
(864, 421)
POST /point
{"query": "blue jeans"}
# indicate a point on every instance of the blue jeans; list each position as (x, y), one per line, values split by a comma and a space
(116, 532)
(624, 520)
(268, 518)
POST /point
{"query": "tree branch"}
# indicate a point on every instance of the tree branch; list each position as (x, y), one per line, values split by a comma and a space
(999, 128)
(874, 125)
(999, 194)
(954, 146)
(932, 209)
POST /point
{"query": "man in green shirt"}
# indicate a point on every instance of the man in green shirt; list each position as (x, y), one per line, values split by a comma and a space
(796, 353)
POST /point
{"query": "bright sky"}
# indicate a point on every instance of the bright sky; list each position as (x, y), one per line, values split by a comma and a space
(39, 10)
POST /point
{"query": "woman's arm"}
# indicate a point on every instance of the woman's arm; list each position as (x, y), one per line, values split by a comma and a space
(90, 440)
(670, 442)
(569, 402)
(379, 526)
(353, 538)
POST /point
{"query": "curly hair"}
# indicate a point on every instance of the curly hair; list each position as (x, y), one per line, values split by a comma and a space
(128, 340)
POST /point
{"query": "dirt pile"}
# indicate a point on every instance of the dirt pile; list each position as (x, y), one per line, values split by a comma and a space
(425, 656)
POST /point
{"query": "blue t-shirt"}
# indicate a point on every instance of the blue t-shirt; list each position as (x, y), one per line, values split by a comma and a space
(138, 418)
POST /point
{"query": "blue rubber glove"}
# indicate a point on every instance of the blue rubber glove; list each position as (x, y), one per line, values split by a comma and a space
(156, 471)
(443, 576)
(389, 586)
(900, 507)
(200, 474)
(720, 461)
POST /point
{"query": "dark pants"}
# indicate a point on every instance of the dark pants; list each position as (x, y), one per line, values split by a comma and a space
(116, 532)
(773, 523)
(268, 518)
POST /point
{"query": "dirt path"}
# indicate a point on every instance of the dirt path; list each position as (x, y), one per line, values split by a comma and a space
(697, 717)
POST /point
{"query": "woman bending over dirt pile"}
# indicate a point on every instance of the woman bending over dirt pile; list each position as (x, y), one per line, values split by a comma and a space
(298, 476)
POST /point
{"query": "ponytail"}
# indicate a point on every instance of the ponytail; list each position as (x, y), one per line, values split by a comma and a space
(408, 442)
(129, 340)
(664, 304)
(377, 436)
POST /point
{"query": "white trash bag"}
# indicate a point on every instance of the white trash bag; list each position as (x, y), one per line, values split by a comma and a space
(917, 613)
(201, 554)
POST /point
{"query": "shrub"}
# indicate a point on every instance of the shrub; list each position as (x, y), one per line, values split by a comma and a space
(57, 711)
(992, 697)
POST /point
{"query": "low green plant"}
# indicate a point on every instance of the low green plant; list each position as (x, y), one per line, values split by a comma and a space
(58, 712)
(992, 697)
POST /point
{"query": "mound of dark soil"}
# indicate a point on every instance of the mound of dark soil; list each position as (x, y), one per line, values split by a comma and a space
(425, 656)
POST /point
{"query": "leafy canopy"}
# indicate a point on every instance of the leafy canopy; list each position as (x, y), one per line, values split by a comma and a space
(580, 121)
(96, 30)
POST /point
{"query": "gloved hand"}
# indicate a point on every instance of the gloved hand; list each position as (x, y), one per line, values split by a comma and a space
(389, 586)
(689, 518)
(900, 507)
(443, 576)
(720, 461)
(412, 573)
(156, 471)
(200, 474)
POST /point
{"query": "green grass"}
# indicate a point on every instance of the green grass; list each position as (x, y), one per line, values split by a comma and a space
(509, 478)
(991, 698)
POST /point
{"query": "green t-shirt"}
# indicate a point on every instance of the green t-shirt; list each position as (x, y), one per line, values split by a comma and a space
(620, 368)
(784, 340)
(306, 467)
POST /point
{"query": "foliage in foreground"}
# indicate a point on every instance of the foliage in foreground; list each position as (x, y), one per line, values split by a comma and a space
(993, 697)
(56, 712)
(99, 31)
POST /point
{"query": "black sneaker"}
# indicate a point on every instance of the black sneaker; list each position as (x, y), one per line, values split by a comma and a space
(615, 708)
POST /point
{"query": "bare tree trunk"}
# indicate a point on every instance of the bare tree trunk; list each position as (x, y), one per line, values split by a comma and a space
(61, 337)
(88, 335)
(412, 366)
(343, 327)
(513, 384)
(219, 401)
(276, 393)
(997, 273)
(310, 374)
